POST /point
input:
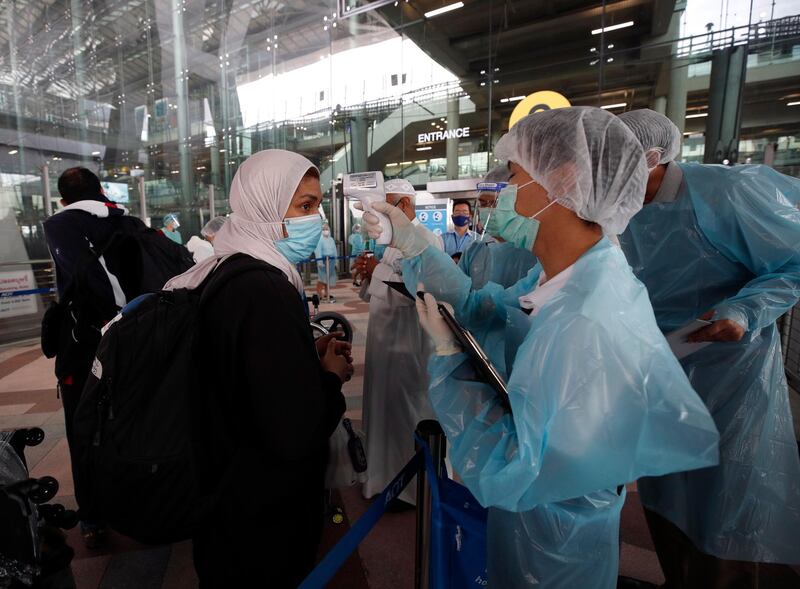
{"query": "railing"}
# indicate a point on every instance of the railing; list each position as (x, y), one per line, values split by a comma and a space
(789, 326)
(431, 434)
(760, 33)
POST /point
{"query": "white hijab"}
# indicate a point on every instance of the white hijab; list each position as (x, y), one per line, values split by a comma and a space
(261, 192)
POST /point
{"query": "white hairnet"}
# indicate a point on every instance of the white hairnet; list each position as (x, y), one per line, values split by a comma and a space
(585, 158)
(212, 226)
(660, 138)
(499, 173)
(399, 186)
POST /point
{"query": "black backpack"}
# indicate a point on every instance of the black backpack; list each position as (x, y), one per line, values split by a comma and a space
(142, 259)
(133, 425)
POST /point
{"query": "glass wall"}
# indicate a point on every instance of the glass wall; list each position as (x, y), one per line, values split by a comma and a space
(165, 98)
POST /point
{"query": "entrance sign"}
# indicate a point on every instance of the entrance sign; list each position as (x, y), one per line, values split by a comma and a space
(442, 135)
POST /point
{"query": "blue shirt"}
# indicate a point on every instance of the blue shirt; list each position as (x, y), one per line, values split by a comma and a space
(455, 243)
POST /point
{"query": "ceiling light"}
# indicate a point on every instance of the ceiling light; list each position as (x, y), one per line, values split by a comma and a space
(610, 59)
(617, 105)
(621, 25)
(697, 115)
(611, 46)
(483, 83)
(13, 151)
(504, 100)
(443, 9)
(795, 103)
(391, 165)
(424, 148)
(593, 50)
(175, 172)
(406, 163)
(95, 153)
(516, 98)
(420, 161)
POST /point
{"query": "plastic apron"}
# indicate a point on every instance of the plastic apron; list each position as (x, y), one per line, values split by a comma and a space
(726, 243)
(597, 400)
(395, 395)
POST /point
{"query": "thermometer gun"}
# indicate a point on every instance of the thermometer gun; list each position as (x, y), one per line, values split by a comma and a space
(367, 187)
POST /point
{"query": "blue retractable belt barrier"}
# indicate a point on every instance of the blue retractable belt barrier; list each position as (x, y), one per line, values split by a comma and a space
(21, 293)
(333, 561)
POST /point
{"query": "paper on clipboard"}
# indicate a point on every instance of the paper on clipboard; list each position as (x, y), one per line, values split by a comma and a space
(677, 339)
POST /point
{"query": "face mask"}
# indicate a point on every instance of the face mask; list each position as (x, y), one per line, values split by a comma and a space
(461, 220)
(304, 233)
(326, 233)
(510, 225)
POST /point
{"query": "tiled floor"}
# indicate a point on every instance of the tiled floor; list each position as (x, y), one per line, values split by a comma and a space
(385, 560)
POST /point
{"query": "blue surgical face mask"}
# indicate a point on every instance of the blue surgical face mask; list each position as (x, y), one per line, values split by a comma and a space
(461, 220)
(303, 237)
(509, 224)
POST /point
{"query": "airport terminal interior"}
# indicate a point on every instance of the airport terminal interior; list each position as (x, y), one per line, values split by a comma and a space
(164, 101)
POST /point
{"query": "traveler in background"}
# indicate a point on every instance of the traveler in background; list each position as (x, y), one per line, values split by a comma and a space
(89, 294)
(397, 351)
(203, 248)
(356, 241)
(170, 228)
(357, 247)
(326, 253)
(458, 240)
(270, 397)
(596, 397)
(723, 244)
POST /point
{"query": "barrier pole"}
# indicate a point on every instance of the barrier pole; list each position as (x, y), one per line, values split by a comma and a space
(328, 278)
(431, 433)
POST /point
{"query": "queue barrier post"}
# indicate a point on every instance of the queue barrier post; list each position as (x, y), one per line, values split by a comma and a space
(430, 432)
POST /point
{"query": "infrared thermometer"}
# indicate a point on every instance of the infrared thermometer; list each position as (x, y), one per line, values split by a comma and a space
(367, 187)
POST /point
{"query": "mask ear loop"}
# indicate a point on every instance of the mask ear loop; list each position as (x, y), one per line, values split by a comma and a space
(552, 202)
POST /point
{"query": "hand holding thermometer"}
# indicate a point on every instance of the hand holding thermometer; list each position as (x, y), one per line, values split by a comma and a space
(367, 187)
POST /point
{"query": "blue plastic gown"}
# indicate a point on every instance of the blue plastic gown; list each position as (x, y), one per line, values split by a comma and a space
(598, 400)
(480, 310)
(356, 242)
(501, 263)
(730, 241)
(326, 248)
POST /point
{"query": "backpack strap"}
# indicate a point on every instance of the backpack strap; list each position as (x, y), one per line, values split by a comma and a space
(214, 281)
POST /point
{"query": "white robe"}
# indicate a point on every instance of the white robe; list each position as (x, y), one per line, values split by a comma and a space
(395, 396)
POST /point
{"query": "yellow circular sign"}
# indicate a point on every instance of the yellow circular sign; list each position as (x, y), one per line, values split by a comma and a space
(537, 102)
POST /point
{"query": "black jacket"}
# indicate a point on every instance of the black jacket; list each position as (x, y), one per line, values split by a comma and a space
(70, 235)
(266, 405)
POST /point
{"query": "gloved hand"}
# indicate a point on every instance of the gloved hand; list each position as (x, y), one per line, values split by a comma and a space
(404, 235)
(431, 321)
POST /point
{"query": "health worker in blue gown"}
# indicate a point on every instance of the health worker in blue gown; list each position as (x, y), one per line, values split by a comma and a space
(723, 243)
(491, 258)
(597, 399)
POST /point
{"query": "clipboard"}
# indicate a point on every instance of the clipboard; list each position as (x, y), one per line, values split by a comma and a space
(478, 358)
(677, 339)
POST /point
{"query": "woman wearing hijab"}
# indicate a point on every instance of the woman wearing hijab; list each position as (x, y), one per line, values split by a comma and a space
(268, 399)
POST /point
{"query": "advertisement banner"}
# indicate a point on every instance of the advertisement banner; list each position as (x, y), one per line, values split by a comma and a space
(14, 306)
